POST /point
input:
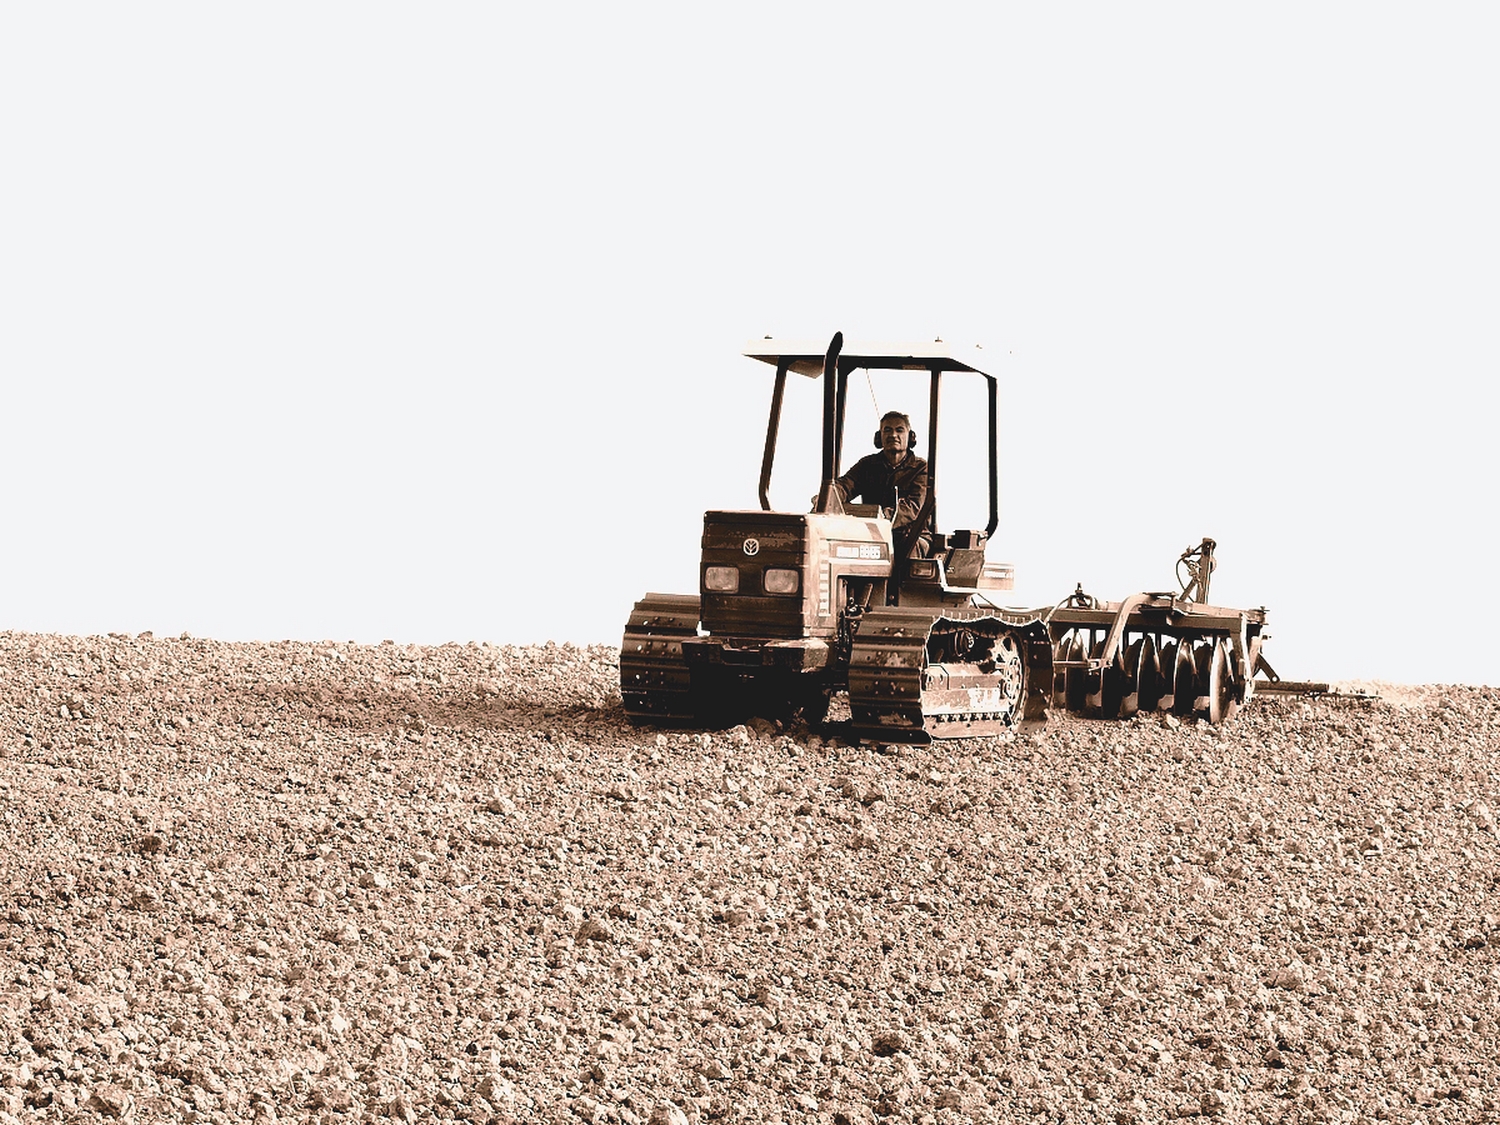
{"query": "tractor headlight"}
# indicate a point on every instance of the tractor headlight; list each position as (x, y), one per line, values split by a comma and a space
(922, 568)
(780, 580)
(721, 579)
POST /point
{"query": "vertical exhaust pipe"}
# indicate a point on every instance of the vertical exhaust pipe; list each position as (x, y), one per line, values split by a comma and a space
(830, 420)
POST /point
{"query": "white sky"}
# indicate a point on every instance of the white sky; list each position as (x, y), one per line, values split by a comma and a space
(424, 322)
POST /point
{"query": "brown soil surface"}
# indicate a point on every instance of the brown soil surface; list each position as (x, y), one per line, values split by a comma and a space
(342, 883)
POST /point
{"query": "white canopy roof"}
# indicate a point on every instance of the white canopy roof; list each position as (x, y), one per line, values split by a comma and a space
(806, 356)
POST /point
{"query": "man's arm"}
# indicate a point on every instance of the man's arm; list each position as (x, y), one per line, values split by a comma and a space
(912, 490)
(851, 484)
(844, 487)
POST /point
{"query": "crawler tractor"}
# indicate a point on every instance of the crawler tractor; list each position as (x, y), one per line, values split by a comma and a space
(794, 607)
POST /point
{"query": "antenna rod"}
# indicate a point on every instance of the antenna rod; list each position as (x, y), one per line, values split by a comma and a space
(994, 388)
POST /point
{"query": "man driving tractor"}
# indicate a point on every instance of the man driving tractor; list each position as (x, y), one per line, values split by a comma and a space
(896, 479)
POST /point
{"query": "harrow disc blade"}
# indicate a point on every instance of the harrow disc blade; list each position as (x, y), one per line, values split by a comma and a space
(1066, 649)
(1142, 688)
(1076, 680)
(1166, 700)
(1222, 704)
(1185, 680)
(1106, 687)
(1203, 659)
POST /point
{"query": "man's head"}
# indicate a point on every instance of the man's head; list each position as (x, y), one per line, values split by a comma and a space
(895, 435)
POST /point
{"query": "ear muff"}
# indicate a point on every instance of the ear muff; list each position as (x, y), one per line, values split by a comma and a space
(911, 440)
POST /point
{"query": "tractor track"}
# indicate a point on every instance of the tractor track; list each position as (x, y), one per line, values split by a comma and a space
(655, 681)
(897, 693)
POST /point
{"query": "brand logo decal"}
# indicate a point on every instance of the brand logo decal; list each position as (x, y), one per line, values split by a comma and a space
(752, 547)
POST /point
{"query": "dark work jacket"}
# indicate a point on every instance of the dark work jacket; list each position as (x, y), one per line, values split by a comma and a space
(872, 479)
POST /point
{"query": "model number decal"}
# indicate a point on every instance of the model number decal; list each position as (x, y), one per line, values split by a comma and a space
(859, 551)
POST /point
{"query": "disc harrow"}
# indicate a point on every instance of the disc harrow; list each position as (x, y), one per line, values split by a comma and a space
(1154, 652)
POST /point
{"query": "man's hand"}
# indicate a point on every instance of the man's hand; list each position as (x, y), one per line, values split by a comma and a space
(832, 499)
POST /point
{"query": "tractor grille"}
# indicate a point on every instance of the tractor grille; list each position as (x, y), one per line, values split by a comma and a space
(739, 548)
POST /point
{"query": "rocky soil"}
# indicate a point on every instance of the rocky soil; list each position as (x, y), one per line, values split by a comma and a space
(344, 883)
